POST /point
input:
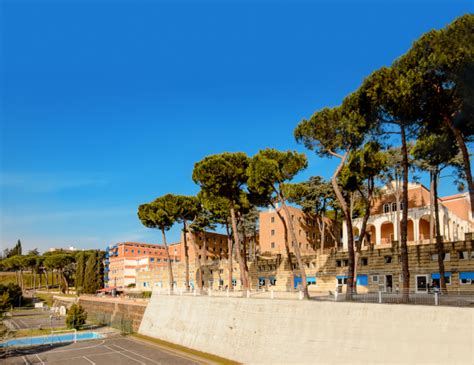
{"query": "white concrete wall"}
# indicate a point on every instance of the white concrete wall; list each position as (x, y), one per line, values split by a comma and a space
(284, 331)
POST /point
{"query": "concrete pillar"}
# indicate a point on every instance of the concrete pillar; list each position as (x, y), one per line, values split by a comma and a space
(344, 235)
(416, 229)
(378, 233)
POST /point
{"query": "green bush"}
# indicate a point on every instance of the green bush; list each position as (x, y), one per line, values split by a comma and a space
(10, 295)
(146, 294)
(76, 317)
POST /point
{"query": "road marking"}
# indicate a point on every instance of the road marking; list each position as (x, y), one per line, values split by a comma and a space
(26, 361)
(79, 348)
(39, 358)
(121, 353)
(90, 361)
(23, 323)
(193, 358)
(146, 358)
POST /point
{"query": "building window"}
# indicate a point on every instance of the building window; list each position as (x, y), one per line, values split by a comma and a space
(386, 208)
(375, 278)
(463, 255)
(273, 219)
(152, 259)
(388, 259)
(446, 256)
(345, 262)
(133, 251)
(338, 263)
(138, 251)
(273, 232)
(364, 261)
(341, 281)
(273, 244)
(394, 207)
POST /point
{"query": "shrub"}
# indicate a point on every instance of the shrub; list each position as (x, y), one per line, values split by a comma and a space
(146, 294)
(76, 317)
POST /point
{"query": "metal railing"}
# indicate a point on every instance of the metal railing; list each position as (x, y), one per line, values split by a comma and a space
(461, 299)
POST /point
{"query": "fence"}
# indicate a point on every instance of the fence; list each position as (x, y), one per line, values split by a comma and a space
(462, 299)
(117, 320)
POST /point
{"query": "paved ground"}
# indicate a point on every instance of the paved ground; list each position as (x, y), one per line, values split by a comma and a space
(115, 351)
(33, 319)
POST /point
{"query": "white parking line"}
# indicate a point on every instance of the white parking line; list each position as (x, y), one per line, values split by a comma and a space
(26, 361)
(90, 361)
(79, 348)
(39, 358)
(144, 357)
(23, 323)
(121, 353)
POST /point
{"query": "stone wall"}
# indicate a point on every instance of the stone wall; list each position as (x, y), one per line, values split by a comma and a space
(124, 315)
(287, 331)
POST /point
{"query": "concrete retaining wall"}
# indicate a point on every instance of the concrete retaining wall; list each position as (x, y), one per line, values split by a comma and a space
(111, 311)
(287, 331)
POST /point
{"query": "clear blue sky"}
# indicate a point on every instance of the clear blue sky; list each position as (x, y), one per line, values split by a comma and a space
(106, 105)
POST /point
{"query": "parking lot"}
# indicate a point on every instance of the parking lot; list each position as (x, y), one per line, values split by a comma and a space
(116, 351)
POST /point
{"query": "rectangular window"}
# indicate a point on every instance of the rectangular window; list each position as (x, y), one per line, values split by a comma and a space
(375, 278)
(345, 262)
(338, 263)
(388, 259)
(273, 219)
(273, 232)
(273, 244)
(386, 208)
(138, 251)
(462, 255)
(364, 261)
(152, 259)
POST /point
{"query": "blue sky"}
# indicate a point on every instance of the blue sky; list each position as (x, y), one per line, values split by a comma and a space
(106, 105)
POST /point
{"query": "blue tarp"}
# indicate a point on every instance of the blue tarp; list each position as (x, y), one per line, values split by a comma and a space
(311, 279)
(466, 275)
(435, 275)
(297, 281)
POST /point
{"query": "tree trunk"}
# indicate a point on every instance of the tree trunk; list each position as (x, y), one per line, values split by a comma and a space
(368, 206)
(404, 224)
(439, 239)
(397, 212)
(323, 231)
(186, 257)
(34, 280)
(243, 273)
(199, 276)
(296, 247)
(432, 205)
(229, 257)
(287, 245)
(348, 218)
(170, 268)
(466, 160)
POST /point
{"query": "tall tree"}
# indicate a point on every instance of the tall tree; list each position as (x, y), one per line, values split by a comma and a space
(224, 176)
(268, 171)
(161, 214)
(435, 152)
(80, 271)
(388, 96)
(187, 209)
(335, 133)
(443, 62)
(91, 283)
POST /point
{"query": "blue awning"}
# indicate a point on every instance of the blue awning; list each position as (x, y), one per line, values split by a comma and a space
(362, 280)
(435, 275)
(311, 279)
(466, 275)
(341, 277)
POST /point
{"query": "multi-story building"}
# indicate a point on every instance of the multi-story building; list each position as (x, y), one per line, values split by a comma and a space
(272, 232)
(122, 261)
(382, 227)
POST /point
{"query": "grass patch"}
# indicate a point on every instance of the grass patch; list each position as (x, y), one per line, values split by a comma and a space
(199, 354)
(28, 332)
(46, 297)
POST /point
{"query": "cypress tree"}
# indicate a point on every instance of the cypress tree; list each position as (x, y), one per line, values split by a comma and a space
(80, 271)
(91, 283)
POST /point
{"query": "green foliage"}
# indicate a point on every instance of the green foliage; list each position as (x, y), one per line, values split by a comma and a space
(160, 214)
(10, 295)
(313, 196)
(222, 175)
(91, 277)
(76, 317)
(80, 271)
